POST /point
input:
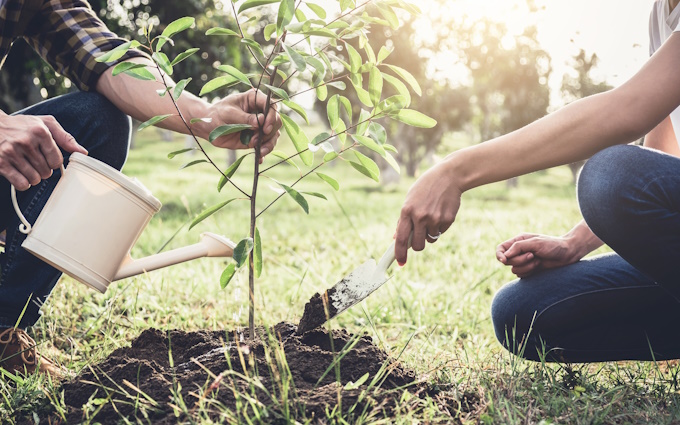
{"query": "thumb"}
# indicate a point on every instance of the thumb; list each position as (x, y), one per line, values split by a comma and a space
(63, 139)
(520, 247)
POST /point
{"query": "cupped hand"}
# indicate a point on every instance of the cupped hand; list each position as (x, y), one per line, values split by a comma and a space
(528, 253)
(29, 148)
(429, 210)
(247, 108)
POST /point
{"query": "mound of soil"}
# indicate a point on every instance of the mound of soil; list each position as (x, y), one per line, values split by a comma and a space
(164, 374)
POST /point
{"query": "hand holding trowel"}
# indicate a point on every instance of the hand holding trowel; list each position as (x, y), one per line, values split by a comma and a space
(349, 291)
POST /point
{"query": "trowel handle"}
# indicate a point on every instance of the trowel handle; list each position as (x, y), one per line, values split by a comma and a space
(388, 257)
(25, 226)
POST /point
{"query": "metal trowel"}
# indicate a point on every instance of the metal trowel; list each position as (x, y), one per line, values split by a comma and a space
(349, 291)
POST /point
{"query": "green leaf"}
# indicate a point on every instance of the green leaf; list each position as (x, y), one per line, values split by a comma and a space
(297, 196)
(298, 60)
(348, 107)
(389, 15)
(363, 95)
(377, 132)
(375, 85)
(300, 16)
(268, 31)
(330, 180)
(407, 77)
(399, 87)
(393, 162)
(124, 66)
(341, 130)
(285, 15)
(184, 55)
(346, 4)
(140, 74)
(242, 250)
(318, 10)
(363, 123)
(235, 73)
(161, 40)
(249, 4)
(279, 92)
(389, 148)
(227, 274)
(384, 53)
(153, 121)
(330, 156)
(208, 212)
(118, 52)
(356, 384)
(253, 45)
(299, 139)
(354, 58)
(257, 254)
(218, 83)
(221, 31)
(173, 28)
(369, 165)
(179, 88)
(227, 129)
(285, 158)
(178, 25)
(369, 143)
(230, 172)
(333, 111)
(322, 92)
(175, 153)
(297, 108)
(246, 136)
(316, 195)
(192, 163)
(338, 85)
(414, 118)
(163, 62)
(320, 70)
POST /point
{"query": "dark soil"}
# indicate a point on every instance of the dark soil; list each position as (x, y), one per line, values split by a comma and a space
(219, 373)
(317, 311)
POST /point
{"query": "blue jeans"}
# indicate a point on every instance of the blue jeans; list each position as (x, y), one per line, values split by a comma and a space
(105, 132)
(621, 306)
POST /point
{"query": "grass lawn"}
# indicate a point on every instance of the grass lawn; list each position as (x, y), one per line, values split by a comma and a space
(436, 309)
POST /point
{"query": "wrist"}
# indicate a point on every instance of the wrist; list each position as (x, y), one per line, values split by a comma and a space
(196, 108)
(457, 170)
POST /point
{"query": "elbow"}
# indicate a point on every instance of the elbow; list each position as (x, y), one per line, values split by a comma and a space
(633, 114)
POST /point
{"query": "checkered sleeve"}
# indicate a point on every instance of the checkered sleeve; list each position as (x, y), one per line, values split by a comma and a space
(69, 36)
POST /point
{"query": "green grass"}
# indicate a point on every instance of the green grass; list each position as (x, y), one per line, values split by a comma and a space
(436, 309)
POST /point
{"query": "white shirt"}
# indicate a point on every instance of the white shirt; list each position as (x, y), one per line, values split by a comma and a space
(663, 23)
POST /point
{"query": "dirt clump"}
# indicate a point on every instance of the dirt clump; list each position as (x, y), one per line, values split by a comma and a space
(317, 311)
(166, 376)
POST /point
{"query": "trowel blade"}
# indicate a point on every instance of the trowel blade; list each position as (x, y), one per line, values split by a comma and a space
(351, 290)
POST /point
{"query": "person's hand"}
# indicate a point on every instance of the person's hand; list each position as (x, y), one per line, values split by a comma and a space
(29, 148)
(246, 108)
(527, 253)
(429, 210)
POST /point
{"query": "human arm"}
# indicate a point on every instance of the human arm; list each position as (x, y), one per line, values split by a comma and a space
(662, 137)
(573, 133)
(527, 253)
(139, 99)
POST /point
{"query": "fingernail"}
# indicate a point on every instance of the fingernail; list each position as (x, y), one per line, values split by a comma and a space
(400, 264)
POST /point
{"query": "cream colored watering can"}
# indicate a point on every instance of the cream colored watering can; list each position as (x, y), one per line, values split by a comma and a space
(94, 217)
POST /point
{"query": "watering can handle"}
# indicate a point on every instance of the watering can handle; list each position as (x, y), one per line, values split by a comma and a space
(25, 226)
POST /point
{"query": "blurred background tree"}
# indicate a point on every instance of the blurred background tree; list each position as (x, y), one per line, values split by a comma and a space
(579, 85)
(478, 79)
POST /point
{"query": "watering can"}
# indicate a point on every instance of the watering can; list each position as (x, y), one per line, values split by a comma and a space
(92, 220)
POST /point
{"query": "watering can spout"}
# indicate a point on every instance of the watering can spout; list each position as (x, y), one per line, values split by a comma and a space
(210, 245)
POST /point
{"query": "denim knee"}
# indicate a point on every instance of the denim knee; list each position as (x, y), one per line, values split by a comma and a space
(511, 320)
(108, 126)
(607, 188)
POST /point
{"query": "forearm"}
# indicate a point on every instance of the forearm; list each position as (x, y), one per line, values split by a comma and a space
(580, 129)
(581, 241)
(139, 99)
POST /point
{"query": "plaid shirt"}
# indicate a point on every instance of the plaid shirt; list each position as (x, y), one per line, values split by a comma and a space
(66, 33)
